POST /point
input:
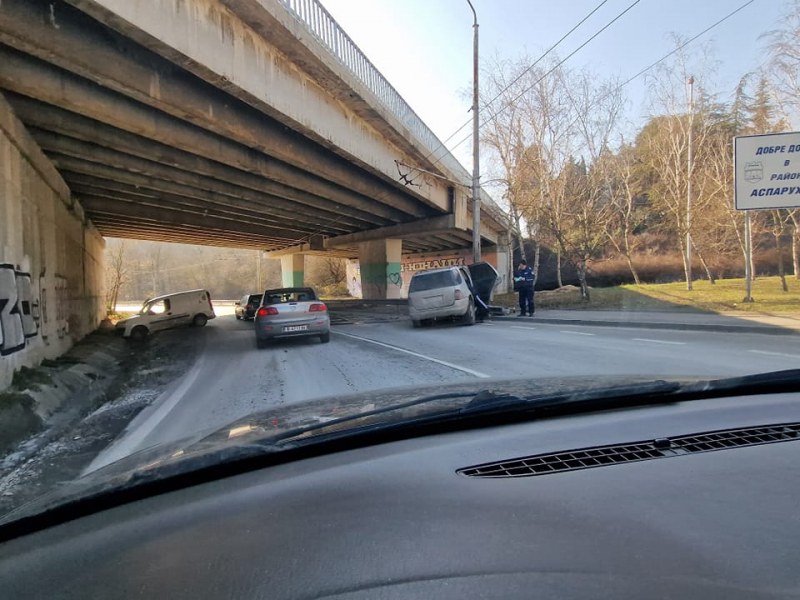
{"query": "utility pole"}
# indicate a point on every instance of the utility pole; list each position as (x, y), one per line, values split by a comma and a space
(258, 271)
(689, 189)
(748, 250)
(476, 165)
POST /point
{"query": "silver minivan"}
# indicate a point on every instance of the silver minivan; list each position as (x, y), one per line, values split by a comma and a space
(441, 293)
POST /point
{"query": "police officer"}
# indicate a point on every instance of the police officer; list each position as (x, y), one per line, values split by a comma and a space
(525, 279)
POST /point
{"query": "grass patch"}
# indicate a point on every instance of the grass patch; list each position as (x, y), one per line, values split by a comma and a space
(724, 296)
(727, 295)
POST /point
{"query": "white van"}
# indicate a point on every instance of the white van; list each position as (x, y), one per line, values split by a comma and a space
(170, 310)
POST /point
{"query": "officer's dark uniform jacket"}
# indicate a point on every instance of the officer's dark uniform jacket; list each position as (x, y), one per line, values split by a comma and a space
(527, 278)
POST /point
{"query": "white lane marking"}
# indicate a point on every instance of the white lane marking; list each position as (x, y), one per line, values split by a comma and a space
(659, 341)
(417, 354)
(521, 327)
(135, 433)
(576, 332)
(785, 354)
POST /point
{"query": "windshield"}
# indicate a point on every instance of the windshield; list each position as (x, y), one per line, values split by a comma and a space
(431, 281)
(155, 307)
(617, 195)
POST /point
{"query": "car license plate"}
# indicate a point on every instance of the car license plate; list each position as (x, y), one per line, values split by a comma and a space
(296, 328)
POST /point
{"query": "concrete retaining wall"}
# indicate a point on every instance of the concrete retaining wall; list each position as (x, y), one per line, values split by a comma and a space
(51, 257)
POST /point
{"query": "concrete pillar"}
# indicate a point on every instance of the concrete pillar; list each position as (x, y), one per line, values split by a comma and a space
(380, 269)
(292, 270)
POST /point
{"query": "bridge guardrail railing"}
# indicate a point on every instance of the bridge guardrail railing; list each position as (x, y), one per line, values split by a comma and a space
(319, 22)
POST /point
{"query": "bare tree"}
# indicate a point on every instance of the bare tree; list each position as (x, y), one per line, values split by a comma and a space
(504, 134)
(778, 220)
(116, 273)
(784, 61)
(794, 216)
(627, 212)
(679, 115)
(581, 233)
(336, 269)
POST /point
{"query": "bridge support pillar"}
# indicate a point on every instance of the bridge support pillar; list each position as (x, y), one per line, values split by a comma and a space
(380, 269)
(292, 270)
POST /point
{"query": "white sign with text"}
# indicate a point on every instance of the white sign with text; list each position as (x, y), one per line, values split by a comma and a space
(767, 171)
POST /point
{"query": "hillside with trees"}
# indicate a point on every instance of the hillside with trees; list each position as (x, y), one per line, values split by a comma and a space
(597, 200)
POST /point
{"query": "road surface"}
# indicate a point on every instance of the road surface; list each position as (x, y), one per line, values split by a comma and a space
(232, 379)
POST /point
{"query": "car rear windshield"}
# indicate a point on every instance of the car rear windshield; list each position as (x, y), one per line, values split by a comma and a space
(293, 296)
(254, 299)
(431, 281)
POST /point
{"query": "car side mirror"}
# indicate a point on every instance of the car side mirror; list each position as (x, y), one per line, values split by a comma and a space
(237, 303)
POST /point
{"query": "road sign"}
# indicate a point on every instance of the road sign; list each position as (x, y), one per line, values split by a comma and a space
(767, 171)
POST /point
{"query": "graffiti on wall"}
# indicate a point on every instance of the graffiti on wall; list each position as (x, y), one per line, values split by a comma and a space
(19, 309)
(435, 263)
(378, 281)
(395, 278)
(62, 306)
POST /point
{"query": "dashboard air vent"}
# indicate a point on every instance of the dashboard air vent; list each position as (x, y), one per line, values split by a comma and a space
(601, 456)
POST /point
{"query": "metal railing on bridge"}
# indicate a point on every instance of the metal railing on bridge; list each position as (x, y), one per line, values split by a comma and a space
(319, 22)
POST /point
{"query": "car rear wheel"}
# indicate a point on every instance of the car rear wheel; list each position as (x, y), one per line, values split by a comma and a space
(199, 320)
(139, 333)
(261, 343)
(415, 323)
(238, 318)
(325, 338)
(469, 316)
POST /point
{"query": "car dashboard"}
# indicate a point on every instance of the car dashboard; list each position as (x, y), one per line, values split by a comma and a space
(456, 515)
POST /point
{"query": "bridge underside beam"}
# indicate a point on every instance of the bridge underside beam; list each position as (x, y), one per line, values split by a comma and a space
(436, 233)
(118, 63)
(155, 157)
(161, 151)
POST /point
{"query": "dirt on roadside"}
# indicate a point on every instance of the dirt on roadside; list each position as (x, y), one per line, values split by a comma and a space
(125, 378)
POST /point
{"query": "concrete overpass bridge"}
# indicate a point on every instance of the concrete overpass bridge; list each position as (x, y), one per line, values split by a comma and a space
(239, 123)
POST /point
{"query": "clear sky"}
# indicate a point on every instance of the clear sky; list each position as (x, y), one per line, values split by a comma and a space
(424, 47)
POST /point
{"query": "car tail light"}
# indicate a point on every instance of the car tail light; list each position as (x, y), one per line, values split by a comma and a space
(459, 295)
(317, 308)
(267, 310)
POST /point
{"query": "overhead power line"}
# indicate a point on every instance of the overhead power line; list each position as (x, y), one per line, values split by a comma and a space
(561, 62)
(686, 43)
(640, 73)
(527, 69)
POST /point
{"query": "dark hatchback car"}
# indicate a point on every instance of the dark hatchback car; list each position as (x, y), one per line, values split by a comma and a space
(248, 305)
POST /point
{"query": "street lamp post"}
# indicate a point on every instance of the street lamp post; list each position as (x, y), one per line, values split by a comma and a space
(476, 161)
(689, 168)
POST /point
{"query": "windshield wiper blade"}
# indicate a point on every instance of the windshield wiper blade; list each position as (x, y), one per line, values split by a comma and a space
(487, 408)
(638, 394)
(487, 402)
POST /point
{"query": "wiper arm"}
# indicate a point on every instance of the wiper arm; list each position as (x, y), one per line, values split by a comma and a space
(638, 394)
(309, 429)
(488, 403)
(488, 408)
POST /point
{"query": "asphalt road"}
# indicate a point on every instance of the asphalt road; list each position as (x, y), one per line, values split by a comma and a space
(232, 378)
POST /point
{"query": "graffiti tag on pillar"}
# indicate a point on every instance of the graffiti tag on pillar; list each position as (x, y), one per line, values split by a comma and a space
(395, 279)
(12, 332)
(436, 263)
(62, 308)
(27, 305)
